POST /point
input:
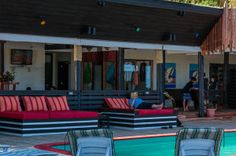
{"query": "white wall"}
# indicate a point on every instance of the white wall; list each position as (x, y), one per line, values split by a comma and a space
(144, 55)
(182, 65)
(28, 75)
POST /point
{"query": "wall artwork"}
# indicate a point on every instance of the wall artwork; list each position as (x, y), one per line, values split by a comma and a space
(170, 75)
(193, 72)
(21, 57)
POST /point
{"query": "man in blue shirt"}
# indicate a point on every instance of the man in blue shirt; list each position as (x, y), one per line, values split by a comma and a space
(137, 103)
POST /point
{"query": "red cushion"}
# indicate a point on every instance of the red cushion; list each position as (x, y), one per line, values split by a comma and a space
(57, 103)
(61, 115)
(10, 104)
(148, 112)
(25, 115)
(85, 114)
(34, 103)
(72, 115)
(117, 103)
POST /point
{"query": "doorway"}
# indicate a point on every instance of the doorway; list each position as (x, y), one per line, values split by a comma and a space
(232, 86)
(63, 73)
(99, 70)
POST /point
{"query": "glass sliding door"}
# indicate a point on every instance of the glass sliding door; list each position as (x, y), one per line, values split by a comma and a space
(99, 70)
(138, 74)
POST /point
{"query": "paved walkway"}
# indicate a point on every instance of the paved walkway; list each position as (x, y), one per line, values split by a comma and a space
(25, 142)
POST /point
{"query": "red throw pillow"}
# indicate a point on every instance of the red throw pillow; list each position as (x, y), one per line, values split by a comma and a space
(117, 103)
(10, 104)
(34, 103)
(57, 103)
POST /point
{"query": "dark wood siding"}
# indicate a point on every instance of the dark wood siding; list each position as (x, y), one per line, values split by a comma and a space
(1, 57)
(115, 21)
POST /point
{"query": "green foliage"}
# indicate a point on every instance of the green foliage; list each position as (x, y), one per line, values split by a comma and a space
(201, 2)
(7, 76)
(209, 3)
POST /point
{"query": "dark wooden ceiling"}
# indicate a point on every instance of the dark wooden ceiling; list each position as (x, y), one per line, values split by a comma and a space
(116, 21)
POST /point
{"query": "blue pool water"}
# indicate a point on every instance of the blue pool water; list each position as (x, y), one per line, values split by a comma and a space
(162, 146)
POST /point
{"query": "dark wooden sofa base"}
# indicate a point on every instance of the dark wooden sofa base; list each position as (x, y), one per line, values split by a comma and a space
(131, 120)
(44, 127)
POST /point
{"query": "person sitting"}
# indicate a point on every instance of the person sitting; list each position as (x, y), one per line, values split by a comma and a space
(137, 103)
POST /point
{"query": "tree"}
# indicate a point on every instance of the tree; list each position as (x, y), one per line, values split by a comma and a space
(202, 2)
(232, 2)
(215, 3)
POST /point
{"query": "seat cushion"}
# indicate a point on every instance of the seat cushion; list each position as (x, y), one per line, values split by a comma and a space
(25, 115)
(10, 104)
(34, 103)
(150, 112)
(117, 103)
(203, 147)
(61, 115)
(58, 103)
(85, 114)
(72, 115)
(97, 146)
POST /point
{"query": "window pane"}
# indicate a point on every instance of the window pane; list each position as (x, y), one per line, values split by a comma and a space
(110, 81)
(87, 75)
(137, 75)
(98, 77)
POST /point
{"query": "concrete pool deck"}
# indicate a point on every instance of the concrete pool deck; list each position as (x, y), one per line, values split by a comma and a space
(26, 142)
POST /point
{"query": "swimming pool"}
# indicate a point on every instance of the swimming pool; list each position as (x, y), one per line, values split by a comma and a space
(161, 146)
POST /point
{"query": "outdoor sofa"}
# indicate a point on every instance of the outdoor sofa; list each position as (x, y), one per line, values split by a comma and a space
(42, 115)
(121, 116)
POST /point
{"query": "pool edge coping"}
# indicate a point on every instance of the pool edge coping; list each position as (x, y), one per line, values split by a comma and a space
(48, 146)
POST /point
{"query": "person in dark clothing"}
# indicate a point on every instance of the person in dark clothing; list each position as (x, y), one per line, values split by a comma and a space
(143, 72)
(212, 83)
(212, 91)
(186, 93)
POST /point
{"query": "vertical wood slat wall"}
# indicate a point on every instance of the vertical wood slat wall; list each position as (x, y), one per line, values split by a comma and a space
(1, 57)
(222, 37)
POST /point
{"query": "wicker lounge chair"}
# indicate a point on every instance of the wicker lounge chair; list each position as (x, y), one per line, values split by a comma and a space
(196, 138)
(203, 147)
(74, 135)
(99, 146)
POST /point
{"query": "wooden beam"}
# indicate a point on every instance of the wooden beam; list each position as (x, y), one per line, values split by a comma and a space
(163, 76)
(120, 67)
(94, 42)
(201, 84)
(77, 57)
(1, 57)
(226, 78)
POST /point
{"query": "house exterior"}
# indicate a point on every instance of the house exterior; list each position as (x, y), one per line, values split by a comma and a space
(78, 47)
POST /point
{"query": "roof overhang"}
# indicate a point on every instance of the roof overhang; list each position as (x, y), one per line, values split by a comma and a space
(171, 6)
(94, 42)
(160, 22)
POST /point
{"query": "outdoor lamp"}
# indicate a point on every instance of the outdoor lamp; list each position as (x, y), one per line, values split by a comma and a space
(89, 30)
(42, 21)
(197, 35)
(181, 13)
(102, 3)
(137, 29)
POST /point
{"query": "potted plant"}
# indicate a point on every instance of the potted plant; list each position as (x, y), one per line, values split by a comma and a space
(7, 76)
(210, 109)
